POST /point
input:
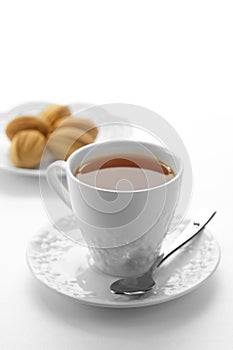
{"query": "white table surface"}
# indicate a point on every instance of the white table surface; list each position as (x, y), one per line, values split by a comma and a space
(34, 317)
(174, 57)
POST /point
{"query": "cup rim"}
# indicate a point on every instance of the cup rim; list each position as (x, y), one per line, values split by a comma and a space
(181, 165)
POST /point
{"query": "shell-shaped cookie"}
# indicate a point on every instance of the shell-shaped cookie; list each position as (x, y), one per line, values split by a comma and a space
(27, 148)
(83, 124)
(51, 114)
(26, 123)
(64, 141)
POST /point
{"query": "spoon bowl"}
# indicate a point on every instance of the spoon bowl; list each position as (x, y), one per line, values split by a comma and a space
(133, 286)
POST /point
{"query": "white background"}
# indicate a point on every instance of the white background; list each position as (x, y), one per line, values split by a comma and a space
(174, 57)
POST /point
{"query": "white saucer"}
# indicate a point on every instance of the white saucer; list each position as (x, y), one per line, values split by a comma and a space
(106, 132)
(67, 268)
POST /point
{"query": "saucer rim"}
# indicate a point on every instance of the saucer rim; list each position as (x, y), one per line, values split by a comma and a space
(137, 303)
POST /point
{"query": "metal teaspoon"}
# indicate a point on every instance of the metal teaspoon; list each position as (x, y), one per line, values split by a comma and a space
(143, 283)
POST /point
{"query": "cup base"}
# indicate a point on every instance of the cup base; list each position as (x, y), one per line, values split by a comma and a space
(119, 263)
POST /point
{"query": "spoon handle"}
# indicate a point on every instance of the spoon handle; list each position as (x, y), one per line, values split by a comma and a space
(194, 228)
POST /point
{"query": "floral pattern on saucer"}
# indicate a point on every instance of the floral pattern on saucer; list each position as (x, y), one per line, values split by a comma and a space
(66, 267)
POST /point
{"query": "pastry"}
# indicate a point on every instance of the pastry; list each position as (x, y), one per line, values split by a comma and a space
(51, 114)
(79, 123)
(25, 123)
(65, 140)
(26, 148)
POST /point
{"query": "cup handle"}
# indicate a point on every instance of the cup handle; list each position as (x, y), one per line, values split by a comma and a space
(53, 175)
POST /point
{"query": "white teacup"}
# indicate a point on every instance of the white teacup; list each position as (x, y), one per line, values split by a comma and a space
(123, 229)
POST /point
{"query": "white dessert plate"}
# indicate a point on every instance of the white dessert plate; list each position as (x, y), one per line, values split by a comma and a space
(106, 132)
(67, 268)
